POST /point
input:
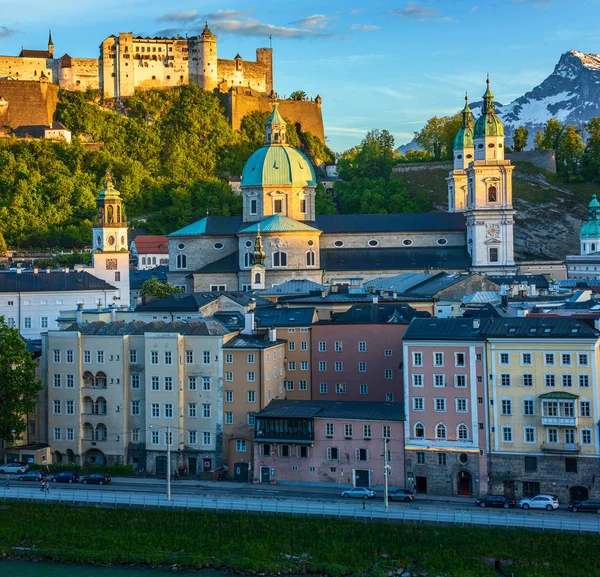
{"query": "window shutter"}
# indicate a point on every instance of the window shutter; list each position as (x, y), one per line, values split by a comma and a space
(329, 453)
(356, 454)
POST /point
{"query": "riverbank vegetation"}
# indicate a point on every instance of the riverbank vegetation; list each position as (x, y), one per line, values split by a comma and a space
(294, 545)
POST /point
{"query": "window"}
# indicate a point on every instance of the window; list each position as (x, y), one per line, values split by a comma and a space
(507, 435)
(387, 353)
(362, 367)
(206, 357)
(339, 366)
(439, 404)
(250, 377)
(340, 388)
(585, 408)
(419, 431)
(322, 366)
(277, 206)
(361, 454)
(438, 359)
(302, 385)
(253, 206)
(168, 410)
(229, 377)
(440, 432)
(462, 432)
(441, 458)
(567, 380)
(155, 437)
(240, 445)
(56, 433)
(493, 251)
(364, 389)
(418, 404)
(228, 418)
(417, 380)
(333, 453)
(362, 346)
(460, 381)
(323, 388)
(586, 436)
(56, 381)
(291, 366)
(70, 381)
(492, 194)
(388, 374)
(229, 358)
(279, 259)
(135, 408)
(504, 358)
(582, 359)
(348, 429)
(439, 380)
(505, 380)
(251, 396)
(570, 465)
(386, 433)
(302, 452)
(531, 466)
(550, 380)
(506, 407)
(181, 261)
(304, 346)
(565, 359)
(87, 356)
(291, 346)
(329, 429)
(367, 431)
(155, 410)
(56, 407)
(338, 346)
(192, 410)
(155, 383)
(526, 359)
(528, 407)
(310, 258)
(27, 321)
(192, 437)
(552, 435)
(417, 359)
(251, 419)
(420, 458)
(154, 357)
(322, 346)
(529, 434)
(584, 380)
(168, 383)
(459, 359)
(338, 243)
(133, 356)
(549, 359)
(462, 405)
(527, 380)
(56, 356)
(135, 381)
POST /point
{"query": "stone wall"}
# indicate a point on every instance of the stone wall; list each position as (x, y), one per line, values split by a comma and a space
(30, 103)
(420, 166)
(19, 68)
(238, 72)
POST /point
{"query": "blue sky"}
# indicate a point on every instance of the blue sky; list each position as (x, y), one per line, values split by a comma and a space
(377, 64)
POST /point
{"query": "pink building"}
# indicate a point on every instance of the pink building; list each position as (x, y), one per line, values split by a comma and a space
(329, 442)
(446, 399)
(357, 355)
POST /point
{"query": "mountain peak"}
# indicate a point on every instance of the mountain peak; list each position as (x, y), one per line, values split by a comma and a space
(575, 60)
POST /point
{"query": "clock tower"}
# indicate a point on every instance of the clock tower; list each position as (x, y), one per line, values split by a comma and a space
(110, 255)
(489, 212)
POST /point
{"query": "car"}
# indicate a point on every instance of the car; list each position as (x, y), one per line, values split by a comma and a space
(589, 505)
(65, 477)
(359, 493)
(401, 495)
(496, 501)
(548, 502)
(96, 479)
(31, 476)
(17, 468)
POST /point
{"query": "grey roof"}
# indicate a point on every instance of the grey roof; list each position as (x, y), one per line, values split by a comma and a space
(437, 283)
(367, 411)
(193, 302)
(399, 283)
(421, 222)
(58, 126)
(201, 328)
(292, 287)
(482, 297)
(539, 280)
(405, 258)
(229, 263)
(540, 327)
(138, 277)
(457, 329)
(250, 342)
(285, 317)
(352, 298)
(378, 314)
(55, 281)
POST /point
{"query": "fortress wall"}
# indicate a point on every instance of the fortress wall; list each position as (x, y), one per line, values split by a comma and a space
(30, 103)
(250, 75)
(28, 68)
(83, 73)
(545, 159)
(305, 113)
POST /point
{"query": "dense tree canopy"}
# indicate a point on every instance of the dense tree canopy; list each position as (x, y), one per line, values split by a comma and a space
(437, 136)
(520, 136)
(154, 288)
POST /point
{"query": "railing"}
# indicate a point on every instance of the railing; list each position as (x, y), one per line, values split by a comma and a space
(342, 509)
(560, 447)
(559, 421)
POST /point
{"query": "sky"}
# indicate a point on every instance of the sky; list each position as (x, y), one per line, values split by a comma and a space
(389, 64)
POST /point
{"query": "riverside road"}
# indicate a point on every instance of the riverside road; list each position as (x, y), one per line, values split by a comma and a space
(231, 496)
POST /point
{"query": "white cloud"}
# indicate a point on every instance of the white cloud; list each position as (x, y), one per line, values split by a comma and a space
(179, 17)
(365, 27)
(419, 13)
(314, 22)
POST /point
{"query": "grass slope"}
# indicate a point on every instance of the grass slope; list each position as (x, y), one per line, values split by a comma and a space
(549, 215)
(253, 543)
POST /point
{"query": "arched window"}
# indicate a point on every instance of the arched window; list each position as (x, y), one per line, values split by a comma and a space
(257, 278)
(118, 214)
(101, 380)
(109, 214)
(310, 258)
(143, 260)
(419, 431)
(280, 258)
(181, 261)
(248, 259)
(440, 432)
(593, 247)
(492, 194)
(462, 432)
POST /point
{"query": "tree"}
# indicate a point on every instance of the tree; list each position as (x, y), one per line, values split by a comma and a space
(374, 157)
(154, 288)
(437, 136)
(323, 201)
(3, 247)
(591, 157)
(549, 138)
(298, 95)
(19, 388)
(570, 152)
(520, 136)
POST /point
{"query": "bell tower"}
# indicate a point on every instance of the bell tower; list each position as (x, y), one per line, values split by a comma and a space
(463, 156)
(110, 252)
(258, 271)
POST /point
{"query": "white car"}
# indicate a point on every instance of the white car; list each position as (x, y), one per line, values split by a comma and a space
(359, 493)
(14, 468)
(548, 502)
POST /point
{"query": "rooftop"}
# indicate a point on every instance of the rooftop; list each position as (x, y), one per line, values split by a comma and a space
(539, 280)
(138, 277)
(250, 342)
(193, 302)
(278, 223)
(378, 314)
(456, 329)
(419, 222)
(54, 281)
(540, 327)
(117, 328)
(151, 244)
(285, 317)
(292, 287)
(360, 410)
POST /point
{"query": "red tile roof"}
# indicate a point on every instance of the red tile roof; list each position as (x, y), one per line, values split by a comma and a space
(151, 244)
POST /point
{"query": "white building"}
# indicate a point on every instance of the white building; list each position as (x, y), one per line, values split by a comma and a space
(586, 265)
(58, 131)
(150, 250)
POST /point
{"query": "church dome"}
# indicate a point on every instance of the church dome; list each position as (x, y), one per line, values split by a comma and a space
(464, 138)
(591, 228)
(488, 124)
(276, 162)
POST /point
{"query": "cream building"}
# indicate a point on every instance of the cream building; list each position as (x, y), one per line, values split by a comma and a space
(116, 388)
(543, 411)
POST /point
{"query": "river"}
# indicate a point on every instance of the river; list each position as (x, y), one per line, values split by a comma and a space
(30, 569)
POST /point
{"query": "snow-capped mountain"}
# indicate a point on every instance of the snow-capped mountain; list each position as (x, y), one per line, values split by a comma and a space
(571, 94)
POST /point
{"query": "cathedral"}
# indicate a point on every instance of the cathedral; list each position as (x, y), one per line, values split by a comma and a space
(279, 237)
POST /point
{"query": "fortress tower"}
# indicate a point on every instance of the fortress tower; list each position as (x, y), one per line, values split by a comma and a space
(207, 59)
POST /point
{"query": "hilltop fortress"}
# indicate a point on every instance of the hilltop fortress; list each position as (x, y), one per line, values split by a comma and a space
(127, 63)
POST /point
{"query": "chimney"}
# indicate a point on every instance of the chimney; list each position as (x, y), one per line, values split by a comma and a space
(99, 307)
(79, 312)
(272, 335)
(113, 313)
(476, 324)
(375, 299)
(249, 324)
(395, 295)
(505, 301)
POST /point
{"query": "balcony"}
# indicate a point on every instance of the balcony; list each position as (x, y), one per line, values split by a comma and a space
(562, 421)
(284, 430)
(560, 448)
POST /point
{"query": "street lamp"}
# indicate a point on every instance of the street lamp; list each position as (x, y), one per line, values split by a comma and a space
(386, 467)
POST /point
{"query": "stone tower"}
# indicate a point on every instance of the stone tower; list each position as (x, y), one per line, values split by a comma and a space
(265, 56)
(109, 248)
(490, 214)
(207, 59)
(463, 156)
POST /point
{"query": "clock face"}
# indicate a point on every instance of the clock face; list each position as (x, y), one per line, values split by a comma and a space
(493, 230)
(111, 264)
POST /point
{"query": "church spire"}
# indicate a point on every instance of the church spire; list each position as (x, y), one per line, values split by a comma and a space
(467, 115)
(259, 253)
(488, 99)
(275, 132)
(50, 44)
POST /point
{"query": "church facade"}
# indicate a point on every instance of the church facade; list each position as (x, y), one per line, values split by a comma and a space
(279, 237)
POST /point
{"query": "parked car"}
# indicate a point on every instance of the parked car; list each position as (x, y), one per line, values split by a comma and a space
(31, 476)
(359, 493)
(96, 479)
(65, 477)
(401, 495)
(589, 505)
(548, 502)
(496, 501)
(17, 468)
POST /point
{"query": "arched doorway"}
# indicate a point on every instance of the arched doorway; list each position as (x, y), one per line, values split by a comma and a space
(464, 483)
(579, 493)
(70, 456)
(94, 457)
(56, 457)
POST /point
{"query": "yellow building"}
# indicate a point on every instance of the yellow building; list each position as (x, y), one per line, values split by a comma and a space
(543, 407)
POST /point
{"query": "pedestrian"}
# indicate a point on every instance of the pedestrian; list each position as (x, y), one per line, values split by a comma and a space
(176, 477)
(47, 487)
(42, 484)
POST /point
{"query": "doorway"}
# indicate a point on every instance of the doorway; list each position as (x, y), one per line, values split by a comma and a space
(579, 493)
(241, 472)
(265, 474)
(161, 466)
(421, 485)
(362, 477)
(192, 466)
(464, 482)
(509, 489)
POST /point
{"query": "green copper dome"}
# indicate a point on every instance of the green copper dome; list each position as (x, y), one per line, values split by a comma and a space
(591, 228)
(488, 124)
(464, 137)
